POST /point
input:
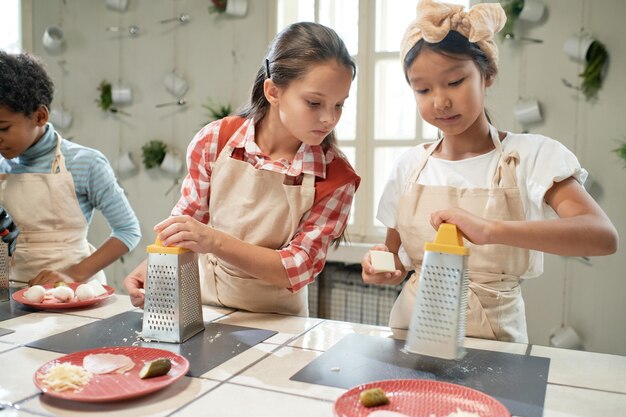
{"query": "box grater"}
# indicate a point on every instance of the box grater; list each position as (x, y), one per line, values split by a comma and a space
(437, 326)
(4, 269)
(172, 308)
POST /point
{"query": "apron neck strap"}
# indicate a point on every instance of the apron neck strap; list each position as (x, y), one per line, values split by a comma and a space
(59, 159)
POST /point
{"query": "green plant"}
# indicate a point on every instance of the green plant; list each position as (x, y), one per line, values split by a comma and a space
(217, 111)
(218, 6)
(105, 102)
(153, 153)
(621, 152)
(592, 76)
(512, 8)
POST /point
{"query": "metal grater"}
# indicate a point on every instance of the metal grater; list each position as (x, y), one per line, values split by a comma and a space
(437, 326)
(4, 271)
(172, 308)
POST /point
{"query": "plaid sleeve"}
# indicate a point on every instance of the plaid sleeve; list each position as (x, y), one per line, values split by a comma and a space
(201, 155)
(305, 256)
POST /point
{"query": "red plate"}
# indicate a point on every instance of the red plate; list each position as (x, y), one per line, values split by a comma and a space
(55, 304)
(421, 398)
(115, 387)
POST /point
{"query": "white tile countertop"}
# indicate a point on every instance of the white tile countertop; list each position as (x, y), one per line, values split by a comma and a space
(257, 381)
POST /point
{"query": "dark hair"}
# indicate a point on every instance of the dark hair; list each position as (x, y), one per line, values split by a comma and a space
(455, 46)
(290, 56)
(24, 83)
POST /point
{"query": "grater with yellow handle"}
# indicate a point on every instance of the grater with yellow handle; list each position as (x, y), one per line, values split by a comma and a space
(437, 326)
(172, 307)
(4, 269)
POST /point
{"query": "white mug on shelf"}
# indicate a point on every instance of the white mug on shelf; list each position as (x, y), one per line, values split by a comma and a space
(528, 112)
(61, 118)
(171, 163)
(53, 39)
(532, 11)
(121, 94)
(236, 7)
(576, 46)
(125, 163)
(175, 84)
(118, 5)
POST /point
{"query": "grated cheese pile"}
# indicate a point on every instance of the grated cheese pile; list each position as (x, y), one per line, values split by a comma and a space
(65, 376)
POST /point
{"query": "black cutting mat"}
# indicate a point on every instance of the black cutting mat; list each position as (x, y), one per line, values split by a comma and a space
(517, 381)
(6, 331)
(204, 351)
(10, 309)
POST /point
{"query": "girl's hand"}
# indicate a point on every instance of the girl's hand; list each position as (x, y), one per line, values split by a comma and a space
(50, 277)
(475, 229)
(370, 276)
(187, 232)
(134, 284)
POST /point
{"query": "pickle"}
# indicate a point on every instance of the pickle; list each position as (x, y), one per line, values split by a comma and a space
(154, 368)
(373, 397)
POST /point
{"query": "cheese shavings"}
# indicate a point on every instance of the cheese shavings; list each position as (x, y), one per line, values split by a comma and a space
(65, 376)
(461, 413)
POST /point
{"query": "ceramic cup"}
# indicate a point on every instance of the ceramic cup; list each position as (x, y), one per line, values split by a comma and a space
(125, 163)
(61, 119)
(175, 84)
(576, 47)
(121, 94)
(118, 5)
(565, 338)
(171, 163)
(528, 112)
(532, 11)
(53, 39)
(237, 7)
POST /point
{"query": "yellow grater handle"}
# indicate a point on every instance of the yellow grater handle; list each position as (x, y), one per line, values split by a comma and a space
(157, 247)
(447, 240)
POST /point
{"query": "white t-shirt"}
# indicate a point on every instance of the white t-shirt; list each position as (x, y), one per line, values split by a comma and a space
(543, 161)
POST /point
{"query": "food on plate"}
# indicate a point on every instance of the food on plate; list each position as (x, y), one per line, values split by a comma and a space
(382, 261)
(461, 413)
(35, 294)
(63, 294)
(98, 288)
(60, 284)
(65, 376)
(154, 368)
(85, 292)
(373, 397)
(386, 413)
(106, 363)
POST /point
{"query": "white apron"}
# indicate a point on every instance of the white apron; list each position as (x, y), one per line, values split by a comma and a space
(255, 206)
(495, 304)
(53, 228)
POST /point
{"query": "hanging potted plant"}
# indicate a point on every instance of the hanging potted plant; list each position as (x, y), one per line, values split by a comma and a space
(105, 101)
(153, 153)
(621, 152)
(230, 7)
(596, 60)
(217, 111)
(527, 10)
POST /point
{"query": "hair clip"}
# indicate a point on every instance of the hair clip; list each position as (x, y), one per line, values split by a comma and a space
(267, 68)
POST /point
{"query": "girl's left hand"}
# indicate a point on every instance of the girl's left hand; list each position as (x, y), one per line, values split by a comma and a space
(186, 232)
(475, 229)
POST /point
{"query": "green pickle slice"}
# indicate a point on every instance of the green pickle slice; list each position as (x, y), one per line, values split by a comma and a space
(154, 368)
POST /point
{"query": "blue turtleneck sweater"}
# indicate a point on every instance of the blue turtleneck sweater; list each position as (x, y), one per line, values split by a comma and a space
(94, 181)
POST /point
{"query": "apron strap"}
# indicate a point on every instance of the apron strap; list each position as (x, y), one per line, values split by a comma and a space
(59, 159)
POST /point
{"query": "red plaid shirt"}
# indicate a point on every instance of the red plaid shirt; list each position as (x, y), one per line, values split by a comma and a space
(305, 255)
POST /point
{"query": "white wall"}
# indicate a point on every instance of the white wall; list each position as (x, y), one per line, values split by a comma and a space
(220, 57)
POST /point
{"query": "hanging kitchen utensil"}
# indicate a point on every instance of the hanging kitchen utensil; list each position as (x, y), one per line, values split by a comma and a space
(4, 269)
(172, 308)
(437, 326)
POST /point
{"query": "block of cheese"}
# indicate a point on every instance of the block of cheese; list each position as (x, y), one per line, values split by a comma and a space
(382, 261)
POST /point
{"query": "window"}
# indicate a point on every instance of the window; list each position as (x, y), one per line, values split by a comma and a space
(380, 118)
(10, 26)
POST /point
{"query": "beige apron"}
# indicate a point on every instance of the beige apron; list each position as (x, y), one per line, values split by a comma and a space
(53, 228)
(495, 304)
(255, 206)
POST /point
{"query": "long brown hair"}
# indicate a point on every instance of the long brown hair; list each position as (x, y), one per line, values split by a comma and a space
(290, 56)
